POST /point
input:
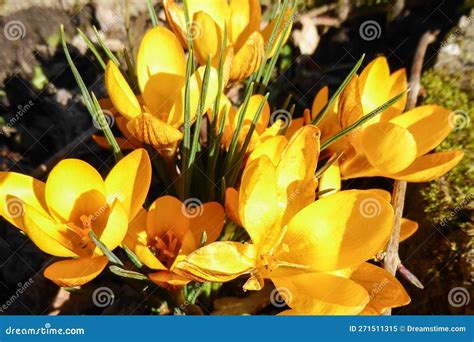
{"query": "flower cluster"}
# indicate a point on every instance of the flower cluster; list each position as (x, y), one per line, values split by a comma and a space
(269, 206)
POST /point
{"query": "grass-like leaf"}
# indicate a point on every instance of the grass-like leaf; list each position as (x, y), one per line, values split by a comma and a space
(128, 274)
(91, 105)
(133, 258)
(235, 165)
(361, 121)
(111, 256)
(273, 60)
(152, 13)
(273, 36)
(317, 119)
(235, 138)
(334, 158)
(91, 47)
(104, 125)
(104, 47)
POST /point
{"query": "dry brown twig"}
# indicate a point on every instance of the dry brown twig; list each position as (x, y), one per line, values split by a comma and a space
(392, 259)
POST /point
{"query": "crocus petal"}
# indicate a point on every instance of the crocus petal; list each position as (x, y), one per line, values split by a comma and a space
(385, 291)
(74, 188)
(208, 218)
(350, 107)
(272, 148)
(112, 232)
(218, 262)
(176, 20)
(120, 93)
(245, 19)
(137, 240)
(75, 272)
(320, 100)
(232, 205)
(160, 72)
(331, 179)
(322, 294)
(258, 199)
(123, 143)
(397, 84)
(430, 166)
(296, 184)
(168, 213)
(339, 231)
(155, 132)
(164, 278)
(129, 181)
(48, 235)
(374, 82)
(207, 38)
(267, 32)
(218, 9)
(20, 189)
(295, 124)
(176, 115)
(429, 125)
(254, 103)
(387, 196)
(248, 58)
(389, 147)
(407, 229)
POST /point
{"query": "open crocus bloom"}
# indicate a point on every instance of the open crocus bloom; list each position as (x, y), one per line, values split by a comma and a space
(59, 215)
(168, 232)
(246, 43)
(261, 132)
(393, 144)
(156, 116)
(293, 235)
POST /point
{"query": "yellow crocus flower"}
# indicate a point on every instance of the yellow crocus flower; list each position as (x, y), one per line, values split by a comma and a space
(59, 215)
(156, 116)
(246, 43)
(168, 231)
(393, 144)
(293, 235)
